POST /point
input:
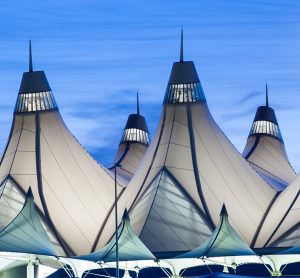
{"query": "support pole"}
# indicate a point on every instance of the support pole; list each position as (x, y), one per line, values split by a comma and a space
(30, 270)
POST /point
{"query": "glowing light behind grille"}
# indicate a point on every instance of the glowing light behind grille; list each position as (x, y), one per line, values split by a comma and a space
(135, 135)
(183, 93)
(35, 102)
(265, 127)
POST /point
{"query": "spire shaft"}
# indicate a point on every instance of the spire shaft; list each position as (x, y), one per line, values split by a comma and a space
(137, 103)
(267, 96)
(181, 46)
(30, 58)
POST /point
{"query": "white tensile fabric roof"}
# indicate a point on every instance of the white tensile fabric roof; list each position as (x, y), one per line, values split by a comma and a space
(282, 220)
(268, 157)
(133, 146)
(178, 188)
(191, 161)
(129, 156)
(75, 187)
(224, 175)
(72, 191)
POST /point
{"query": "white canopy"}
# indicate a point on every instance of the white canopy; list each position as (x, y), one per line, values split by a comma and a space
(73, 192)
(204, 170)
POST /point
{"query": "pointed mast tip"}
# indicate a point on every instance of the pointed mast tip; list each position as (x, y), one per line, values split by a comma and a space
(181, 46)
(137, 103)
(30, 57)
(267, 96)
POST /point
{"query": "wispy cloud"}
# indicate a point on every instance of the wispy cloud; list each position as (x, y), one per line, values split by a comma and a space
(237, 115)
(248, 97)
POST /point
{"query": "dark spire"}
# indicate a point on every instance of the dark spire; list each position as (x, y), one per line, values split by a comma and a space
(181, 47)
(137, 103)
(183, 72)
(30, 57)
(33, 81)
(267, 96)
(223, 211)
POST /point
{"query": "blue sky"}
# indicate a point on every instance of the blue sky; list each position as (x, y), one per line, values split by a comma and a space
(97, 54)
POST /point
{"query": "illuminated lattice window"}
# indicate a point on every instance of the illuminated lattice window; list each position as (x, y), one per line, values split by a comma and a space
(135, 135)
(31, 102)
(183, 93)
(265, 127)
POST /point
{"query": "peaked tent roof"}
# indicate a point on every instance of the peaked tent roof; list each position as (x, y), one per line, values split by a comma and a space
(133, 146)
(192, 147)
(224, 241)
(70, 187)
(265, 148)
(131, 248)
(26, 234)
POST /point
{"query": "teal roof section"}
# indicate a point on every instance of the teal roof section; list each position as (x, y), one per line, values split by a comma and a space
(224, 241)
(25, 233)
(131, 248)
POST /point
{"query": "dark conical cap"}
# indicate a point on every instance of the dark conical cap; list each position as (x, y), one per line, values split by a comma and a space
(266, 113)
(33, 81)
(183, 72)
(137, 120)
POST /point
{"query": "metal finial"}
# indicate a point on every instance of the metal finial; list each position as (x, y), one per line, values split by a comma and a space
(181, 46)
(137, 103)
(267, 96)
(30, 57)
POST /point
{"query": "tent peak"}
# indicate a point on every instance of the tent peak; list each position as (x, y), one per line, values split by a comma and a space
(25, 233)
(131, 248)
(223, 211)
(125, 215)
(29, 193)
(224, 241)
